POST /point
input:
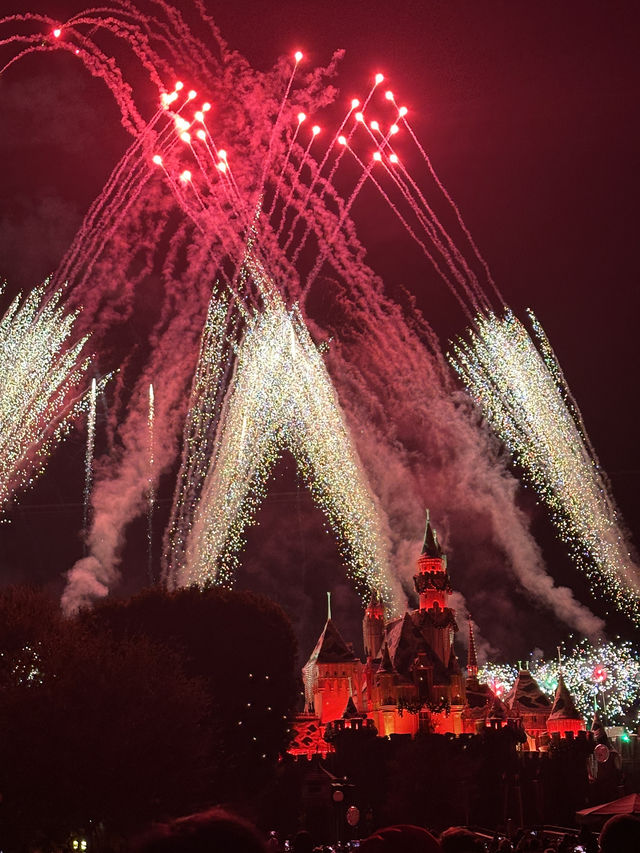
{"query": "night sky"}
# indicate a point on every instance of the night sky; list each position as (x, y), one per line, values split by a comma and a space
(529, 113)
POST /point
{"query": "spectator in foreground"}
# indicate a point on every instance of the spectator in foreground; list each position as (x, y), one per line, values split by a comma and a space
(302, 843)
(400, 839)
(213, 831)
(456, 839)
(621, 834)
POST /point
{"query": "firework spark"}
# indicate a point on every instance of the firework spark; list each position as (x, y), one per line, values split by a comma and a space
(42, 370)
(602, 677)
(88, 456)
(281, 397)
(521, 390)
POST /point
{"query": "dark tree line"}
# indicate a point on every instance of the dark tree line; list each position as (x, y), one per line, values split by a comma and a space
(139, 710)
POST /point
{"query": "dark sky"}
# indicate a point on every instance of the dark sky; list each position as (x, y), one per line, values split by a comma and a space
(529, 113)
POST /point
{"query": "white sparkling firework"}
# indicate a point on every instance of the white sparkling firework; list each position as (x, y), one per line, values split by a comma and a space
(281, 397)
(522, 393)
(604, 677)
(42, 369)
(88, 457)
(199, 432)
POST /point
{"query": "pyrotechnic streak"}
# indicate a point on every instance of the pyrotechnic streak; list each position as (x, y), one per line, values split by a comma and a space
(207, 391)
(151, 493)
(42, 369)
(603, 677)
(403, 116)
(522, 393)
(88, 458)
(281, 397)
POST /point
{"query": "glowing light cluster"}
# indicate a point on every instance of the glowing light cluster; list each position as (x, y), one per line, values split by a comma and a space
(521, 390)
(281, 397)
(615, 696)
(42, 370)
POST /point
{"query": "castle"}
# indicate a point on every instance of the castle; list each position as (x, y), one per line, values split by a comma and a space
(412, 681)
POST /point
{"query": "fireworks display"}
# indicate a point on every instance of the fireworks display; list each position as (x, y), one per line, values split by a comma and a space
(523, 395)
(281, 397)
(601, 677)
(42, 372)
(262, 230)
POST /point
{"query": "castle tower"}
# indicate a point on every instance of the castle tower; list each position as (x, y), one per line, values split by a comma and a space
(332, 675)
(373, 627)
(564, 716)
(432, 580)
(527, 701)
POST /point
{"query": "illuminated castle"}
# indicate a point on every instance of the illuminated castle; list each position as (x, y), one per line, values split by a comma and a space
(412, 681)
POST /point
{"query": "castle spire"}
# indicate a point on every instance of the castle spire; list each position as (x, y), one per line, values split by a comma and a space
(430, 546)
(472, 658)
(328, 606)
(432, 581)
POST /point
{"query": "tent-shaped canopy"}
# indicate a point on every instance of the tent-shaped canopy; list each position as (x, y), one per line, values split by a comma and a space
(625, 805)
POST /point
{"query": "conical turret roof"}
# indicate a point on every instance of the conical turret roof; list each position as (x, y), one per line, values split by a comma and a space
(563, 705)
(526, 695)
(350, 710)
(430, 546)
(331, 648)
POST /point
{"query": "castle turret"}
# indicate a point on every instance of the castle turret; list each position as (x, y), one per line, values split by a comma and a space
(332, 675)
(373, 627)
(527, 701)
(432, 581)
(564, 716)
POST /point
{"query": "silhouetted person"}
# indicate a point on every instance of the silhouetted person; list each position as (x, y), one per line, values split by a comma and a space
(302, 843)
(213, 831)
(400, 839)
(273, 842)
(621, 834)
(456, 839)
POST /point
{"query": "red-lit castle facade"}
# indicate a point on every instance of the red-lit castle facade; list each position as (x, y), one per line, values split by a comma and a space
(411, 680)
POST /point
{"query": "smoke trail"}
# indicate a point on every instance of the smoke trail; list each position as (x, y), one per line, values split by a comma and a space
(421, 445)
